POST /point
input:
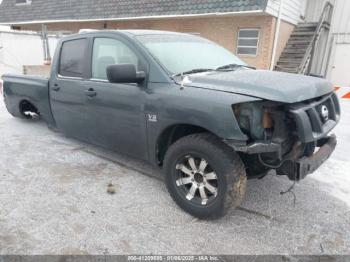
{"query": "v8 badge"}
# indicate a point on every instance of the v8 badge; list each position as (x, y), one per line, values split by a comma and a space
(152, 118)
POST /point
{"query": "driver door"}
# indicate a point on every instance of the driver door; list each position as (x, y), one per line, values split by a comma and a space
(116, 110)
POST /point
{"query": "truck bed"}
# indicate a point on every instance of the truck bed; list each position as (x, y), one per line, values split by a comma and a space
(20, 89)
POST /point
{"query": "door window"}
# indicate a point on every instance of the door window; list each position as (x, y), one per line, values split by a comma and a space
(72, 58)
(108, 52)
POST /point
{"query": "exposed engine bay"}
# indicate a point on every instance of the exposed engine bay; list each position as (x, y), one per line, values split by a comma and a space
(277, 135)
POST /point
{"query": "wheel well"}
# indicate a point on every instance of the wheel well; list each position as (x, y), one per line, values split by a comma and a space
(25, 106)
(172, 134)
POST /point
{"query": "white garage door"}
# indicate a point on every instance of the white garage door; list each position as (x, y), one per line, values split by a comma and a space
(340, 74)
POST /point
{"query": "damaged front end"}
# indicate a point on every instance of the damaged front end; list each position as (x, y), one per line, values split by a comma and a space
(292, 139)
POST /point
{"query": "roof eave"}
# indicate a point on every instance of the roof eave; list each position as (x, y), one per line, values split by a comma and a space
(236, 13)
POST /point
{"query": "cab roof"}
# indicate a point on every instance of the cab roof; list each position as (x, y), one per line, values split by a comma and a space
(131, 32)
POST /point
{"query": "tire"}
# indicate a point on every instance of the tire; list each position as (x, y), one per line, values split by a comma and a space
(18, 111)
(224, 171)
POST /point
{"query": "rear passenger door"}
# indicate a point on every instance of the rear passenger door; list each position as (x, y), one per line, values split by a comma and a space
(67, 88)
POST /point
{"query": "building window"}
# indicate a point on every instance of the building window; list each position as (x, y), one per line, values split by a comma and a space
(248, 41)
(23, 2)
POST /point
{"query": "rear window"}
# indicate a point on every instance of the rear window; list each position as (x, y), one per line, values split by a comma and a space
(72, 58)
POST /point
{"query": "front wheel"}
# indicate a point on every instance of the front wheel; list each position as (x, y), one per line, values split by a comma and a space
(204, 176)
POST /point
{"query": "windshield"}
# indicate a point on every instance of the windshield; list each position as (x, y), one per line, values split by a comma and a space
(181, 53)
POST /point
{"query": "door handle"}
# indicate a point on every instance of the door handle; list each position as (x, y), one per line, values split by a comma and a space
(56, 87)
(90, 92)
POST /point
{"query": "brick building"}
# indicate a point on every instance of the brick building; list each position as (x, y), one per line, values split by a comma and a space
(298, 36)
(246, 27)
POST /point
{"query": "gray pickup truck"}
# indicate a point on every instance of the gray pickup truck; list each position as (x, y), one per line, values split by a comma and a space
(186, 105)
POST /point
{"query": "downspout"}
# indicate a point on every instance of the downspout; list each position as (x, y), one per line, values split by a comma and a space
(277, 34)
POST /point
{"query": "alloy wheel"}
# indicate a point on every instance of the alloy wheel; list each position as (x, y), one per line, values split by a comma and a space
(196, 180)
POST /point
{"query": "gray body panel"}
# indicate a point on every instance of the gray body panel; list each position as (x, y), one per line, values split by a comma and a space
(273, 86)
(191, 106)
(34, 89)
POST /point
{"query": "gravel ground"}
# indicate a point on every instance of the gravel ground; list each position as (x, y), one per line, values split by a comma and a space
(53, 200)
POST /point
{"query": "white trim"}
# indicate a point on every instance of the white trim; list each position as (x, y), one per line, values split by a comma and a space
(276, 37)
(247, 46)
(248, 29)
(256, 12)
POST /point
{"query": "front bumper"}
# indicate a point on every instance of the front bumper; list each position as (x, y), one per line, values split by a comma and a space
(299, 169)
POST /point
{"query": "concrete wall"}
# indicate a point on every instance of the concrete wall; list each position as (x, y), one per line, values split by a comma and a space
(222, 30)
(338, 66)
(341, 14)
(341, 17)
(335, 65)
(18, 49)
(339, 63)
(315, 8)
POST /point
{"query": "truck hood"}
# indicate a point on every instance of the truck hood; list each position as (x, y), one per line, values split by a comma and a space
(268, 85)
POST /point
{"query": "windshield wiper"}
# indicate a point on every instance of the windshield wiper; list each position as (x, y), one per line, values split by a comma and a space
(201, 70)
(194, 71)
(233, 66)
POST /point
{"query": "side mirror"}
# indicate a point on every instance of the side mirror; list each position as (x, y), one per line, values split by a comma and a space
(124, 73)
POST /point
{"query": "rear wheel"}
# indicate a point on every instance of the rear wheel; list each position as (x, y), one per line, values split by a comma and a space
(204, 176)
(28, 111)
